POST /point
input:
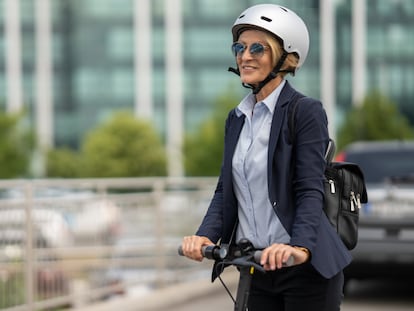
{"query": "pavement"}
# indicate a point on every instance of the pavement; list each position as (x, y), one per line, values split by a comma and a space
(202, 295)
(169, 297)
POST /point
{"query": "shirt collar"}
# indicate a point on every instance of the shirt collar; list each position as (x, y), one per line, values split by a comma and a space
(248, 102)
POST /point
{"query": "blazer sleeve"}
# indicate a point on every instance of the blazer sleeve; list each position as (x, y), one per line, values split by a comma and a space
(213, 223)
(308, 189)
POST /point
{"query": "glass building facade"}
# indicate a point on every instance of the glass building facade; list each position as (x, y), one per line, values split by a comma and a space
(389, 48)
(94, 52)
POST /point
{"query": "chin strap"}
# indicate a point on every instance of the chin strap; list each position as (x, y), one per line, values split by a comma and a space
(271, 76)
(234, 70)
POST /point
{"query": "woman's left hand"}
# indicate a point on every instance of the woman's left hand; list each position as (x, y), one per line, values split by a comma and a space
(277, 255)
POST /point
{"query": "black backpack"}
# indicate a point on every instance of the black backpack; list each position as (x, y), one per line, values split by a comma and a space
(345, 188)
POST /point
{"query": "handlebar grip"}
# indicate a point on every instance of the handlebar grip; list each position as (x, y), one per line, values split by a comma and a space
(180, 251)
(289, 262)
(214, 252)
(258, 254)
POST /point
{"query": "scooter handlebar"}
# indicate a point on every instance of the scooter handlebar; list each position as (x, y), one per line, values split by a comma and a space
(214, 252)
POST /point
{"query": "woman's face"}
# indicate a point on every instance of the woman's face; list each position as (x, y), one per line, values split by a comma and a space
(254, 67)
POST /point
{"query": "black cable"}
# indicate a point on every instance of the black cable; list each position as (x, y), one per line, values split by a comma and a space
(222, 282)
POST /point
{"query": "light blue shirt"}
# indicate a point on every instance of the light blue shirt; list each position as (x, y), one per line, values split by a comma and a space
(257, 220)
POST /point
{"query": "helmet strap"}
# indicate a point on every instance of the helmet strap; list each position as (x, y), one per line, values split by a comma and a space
(271, 76)
(234, 70)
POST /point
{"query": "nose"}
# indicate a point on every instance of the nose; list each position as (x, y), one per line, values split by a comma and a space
(245, 54)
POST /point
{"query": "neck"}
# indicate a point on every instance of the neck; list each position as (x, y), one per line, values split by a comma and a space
(268, 88)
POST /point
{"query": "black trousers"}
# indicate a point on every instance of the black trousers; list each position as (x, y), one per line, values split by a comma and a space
(297, 288)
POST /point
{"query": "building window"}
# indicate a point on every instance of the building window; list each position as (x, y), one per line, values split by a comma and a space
(1, 10)
(396, 74)
(27, 10)
(218, 8)
(158, 44)
(91, 84)
(159, 84)
(57, 49)
(207, 43)
(106, 8)
(120, 43)
(158, 8)
(123, 85)
(2, 51)
(396, 38)
(212, 82)
(28, 48)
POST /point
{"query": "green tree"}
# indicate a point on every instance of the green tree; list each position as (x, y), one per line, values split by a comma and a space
(64, 163)
(123, 147)
(377, 118)
(203, 149)
(16, 146)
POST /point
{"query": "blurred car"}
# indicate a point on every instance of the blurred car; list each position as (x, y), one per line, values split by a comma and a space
(97, 221)
(50, 228)
(49, 231)
(90, 218)
(386, 227)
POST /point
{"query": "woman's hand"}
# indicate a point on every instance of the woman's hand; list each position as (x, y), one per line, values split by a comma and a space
(276, 255)
(192, 246)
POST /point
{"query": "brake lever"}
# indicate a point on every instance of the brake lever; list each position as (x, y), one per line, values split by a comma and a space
(246, 261)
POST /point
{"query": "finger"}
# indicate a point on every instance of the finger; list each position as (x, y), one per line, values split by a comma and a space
(283, 256)
(272, 257)
(263, 258)
(277, 256)
(279, 259)
(191, 248)
(266, 258)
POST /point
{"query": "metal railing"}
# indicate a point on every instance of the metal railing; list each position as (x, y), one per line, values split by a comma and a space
(72, 242)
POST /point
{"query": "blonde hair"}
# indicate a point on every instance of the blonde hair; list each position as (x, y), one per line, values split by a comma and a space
(291, 61)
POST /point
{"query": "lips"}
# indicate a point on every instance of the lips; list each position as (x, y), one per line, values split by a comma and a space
(248, 68)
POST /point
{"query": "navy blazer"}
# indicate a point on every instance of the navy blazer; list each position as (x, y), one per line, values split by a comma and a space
(295, 183)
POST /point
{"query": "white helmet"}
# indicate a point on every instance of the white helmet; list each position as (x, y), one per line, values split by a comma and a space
(280, 21)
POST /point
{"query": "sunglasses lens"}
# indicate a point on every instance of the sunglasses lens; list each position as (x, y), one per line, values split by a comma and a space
(256, 49)
(237, 49)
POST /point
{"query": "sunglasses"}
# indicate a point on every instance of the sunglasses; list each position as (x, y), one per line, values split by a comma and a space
(256, 49)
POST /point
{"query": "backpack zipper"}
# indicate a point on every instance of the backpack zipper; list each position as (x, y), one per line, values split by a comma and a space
(355, 201)
(332, 185)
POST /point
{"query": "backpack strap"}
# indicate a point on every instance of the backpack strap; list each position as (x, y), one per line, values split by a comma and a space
(330, 151)
(331, 148)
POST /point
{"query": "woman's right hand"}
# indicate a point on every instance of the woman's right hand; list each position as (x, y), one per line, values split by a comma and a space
(192, 246)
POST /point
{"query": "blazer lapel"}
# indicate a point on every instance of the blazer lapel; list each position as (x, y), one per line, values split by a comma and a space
(230, 212)
(233, 137)
(277, 121)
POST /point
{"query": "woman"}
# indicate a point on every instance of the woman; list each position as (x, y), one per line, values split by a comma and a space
(269, 191)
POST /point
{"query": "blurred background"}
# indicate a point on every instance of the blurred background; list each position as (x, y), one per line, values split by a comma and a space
(70, 66)
(111, 129)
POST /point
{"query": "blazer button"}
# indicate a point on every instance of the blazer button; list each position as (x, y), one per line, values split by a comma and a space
(274, 204)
